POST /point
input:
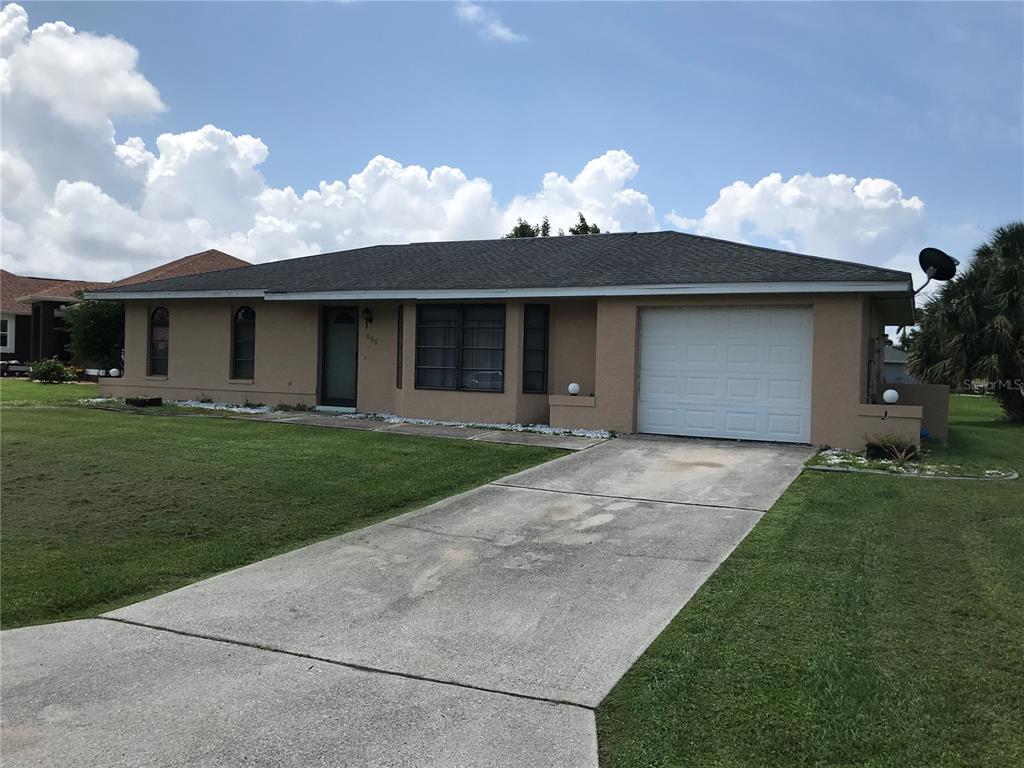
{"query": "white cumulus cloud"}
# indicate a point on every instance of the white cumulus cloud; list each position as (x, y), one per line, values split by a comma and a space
(835, 216)
(84, 79)
(487, 22)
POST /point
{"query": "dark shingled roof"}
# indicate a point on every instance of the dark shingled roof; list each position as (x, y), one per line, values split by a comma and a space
(592, 261)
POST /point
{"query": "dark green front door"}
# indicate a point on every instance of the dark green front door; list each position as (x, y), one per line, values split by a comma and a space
(340, 346)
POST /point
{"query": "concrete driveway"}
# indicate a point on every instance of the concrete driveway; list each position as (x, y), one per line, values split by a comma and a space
(482, 630)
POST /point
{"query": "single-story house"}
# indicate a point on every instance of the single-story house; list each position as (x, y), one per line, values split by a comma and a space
(31, 322)
(663, 333)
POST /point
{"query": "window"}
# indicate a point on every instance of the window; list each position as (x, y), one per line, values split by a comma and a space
(535, 349)
(460, 347)
(159, 341)
(243, 343)
(401, 345)
(5, 335)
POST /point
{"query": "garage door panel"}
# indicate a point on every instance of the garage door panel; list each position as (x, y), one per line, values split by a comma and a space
(696, 419)
(743, 354)
(786, 424)
(787, 354)
(701, 353)
(726, 372)
(694, 387)
(783, 390)
(742, 389)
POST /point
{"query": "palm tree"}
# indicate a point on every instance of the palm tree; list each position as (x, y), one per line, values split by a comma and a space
(973, 328)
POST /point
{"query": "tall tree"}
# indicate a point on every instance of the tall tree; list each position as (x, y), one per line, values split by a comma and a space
(973, 328)
(583, 228)
(95, 332)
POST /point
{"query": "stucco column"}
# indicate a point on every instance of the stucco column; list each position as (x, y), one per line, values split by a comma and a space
(616, 364)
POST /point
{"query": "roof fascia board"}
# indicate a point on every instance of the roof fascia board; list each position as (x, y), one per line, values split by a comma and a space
(247, 293)
(697, 289)
(888, 286)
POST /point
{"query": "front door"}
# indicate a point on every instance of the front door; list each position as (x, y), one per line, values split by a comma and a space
(340, 344)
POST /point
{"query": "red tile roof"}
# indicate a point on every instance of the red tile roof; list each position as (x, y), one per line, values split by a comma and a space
(14, 287)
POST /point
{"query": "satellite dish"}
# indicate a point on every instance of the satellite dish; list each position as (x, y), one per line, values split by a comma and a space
(937, 265)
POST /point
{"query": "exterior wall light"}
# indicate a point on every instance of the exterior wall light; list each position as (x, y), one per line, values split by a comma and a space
(891, 396)
(574, 389)
(367, 316)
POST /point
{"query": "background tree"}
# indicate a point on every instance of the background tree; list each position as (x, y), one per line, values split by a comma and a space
(95, 333)
(583, 228)
(524, 228)
(973, 328)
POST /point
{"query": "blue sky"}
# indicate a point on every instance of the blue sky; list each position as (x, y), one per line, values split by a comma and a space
(926, 95)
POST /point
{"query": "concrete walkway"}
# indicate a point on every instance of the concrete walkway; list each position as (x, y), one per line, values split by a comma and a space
(455, 432)
(480, 631)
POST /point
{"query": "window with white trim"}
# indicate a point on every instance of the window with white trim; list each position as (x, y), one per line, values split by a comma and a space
(6, 333)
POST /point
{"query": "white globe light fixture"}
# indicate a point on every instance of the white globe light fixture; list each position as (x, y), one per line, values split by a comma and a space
(115, 372)
(891, 396)
(574, 389)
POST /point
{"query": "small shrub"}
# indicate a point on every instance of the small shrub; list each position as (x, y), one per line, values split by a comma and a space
(293, 407)
(248, 404)
(893, 447)
(51, 371)
(75, 372)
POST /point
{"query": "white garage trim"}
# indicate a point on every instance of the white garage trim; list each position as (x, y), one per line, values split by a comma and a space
(732, 372)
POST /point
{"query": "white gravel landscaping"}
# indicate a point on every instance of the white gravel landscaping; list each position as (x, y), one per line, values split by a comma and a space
(540, 429)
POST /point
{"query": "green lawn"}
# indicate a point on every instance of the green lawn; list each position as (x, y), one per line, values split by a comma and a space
(24, 392)
(102, 509)
(866, 621)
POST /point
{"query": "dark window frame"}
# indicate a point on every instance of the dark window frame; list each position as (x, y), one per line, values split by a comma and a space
(235, 373)
(163, 365)
(544, 348)
(400, 346)
(459, 348)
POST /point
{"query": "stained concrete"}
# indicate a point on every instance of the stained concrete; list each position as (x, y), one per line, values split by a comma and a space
(710, 472)
(531, 592)
(95, 693)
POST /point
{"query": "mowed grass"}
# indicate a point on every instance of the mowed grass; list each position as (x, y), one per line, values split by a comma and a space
(866, 621)
(24, 392)
(102, 509)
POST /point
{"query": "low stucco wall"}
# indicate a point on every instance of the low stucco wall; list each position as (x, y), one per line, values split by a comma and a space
(934, 402)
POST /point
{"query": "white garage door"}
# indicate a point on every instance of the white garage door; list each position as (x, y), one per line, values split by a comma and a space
(726, 372)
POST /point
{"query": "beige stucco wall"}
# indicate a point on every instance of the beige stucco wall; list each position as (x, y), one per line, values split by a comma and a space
(199, 353)
(572, 345)
(593, 342)
(934, 402)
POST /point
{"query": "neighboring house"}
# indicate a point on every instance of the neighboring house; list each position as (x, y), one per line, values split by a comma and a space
(31, 326)
(664, 332)
(895, 362)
